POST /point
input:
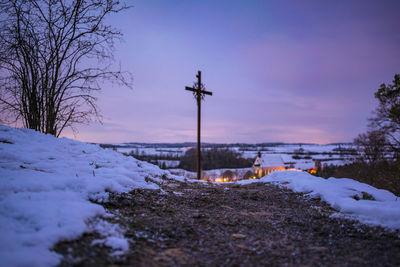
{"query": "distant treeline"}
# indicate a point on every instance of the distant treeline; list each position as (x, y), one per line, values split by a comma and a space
(342, 152)
(154, 158)
(214, 158)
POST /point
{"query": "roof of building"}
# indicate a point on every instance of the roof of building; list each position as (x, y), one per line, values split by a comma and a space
(269, 160)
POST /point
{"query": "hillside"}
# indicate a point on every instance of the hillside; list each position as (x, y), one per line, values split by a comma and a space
(49, 188)
(71, 203)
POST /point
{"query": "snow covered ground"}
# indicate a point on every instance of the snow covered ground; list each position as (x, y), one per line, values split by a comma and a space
(47, 186)
(326, 154)
(351, 198)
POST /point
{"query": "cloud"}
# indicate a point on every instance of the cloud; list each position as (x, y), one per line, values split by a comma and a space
(279, 71)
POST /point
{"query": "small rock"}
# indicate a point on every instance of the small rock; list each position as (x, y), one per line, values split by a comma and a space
(239, 236)
(176, 253)
(197, 215)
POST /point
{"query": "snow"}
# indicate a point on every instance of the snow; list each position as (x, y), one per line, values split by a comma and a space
(304, 164)
(270, 160)
(113, 237)
(339, 193)
(168, 163)
(47, 186)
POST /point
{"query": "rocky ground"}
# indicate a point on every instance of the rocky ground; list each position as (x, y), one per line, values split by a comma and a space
(199, 224)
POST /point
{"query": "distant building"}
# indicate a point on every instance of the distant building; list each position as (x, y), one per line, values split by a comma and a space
(267, 163)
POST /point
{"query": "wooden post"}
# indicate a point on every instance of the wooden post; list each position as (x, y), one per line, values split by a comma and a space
(198, 127)
(198, 92)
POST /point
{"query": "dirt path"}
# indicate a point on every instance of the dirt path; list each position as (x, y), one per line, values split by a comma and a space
(230, 225)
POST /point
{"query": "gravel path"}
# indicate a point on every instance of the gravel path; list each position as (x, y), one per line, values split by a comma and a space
(196, 224)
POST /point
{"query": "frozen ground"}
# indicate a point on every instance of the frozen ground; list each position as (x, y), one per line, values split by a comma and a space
(353, 199)
(227, 224)
(48, 191)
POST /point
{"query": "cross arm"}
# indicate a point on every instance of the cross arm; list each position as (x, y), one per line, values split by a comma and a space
(190, 89)
(196, 91)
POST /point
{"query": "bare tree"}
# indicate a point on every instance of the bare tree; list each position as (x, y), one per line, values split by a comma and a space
(372, 146)
(53, 56)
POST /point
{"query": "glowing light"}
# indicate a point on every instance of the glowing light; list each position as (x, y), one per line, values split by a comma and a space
(221, 180)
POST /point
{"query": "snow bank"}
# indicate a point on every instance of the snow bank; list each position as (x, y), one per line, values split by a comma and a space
(341, 194)
(46, 185)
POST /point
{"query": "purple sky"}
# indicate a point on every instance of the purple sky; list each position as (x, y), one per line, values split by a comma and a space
(291, 71)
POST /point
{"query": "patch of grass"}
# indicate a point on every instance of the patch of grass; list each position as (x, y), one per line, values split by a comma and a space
(364, 196)
(367, 196)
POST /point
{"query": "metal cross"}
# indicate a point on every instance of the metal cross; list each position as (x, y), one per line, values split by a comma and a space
(199, 91)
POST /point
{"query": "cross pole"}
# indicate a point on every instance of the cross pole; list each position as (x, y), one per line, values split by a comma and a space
(198, 91)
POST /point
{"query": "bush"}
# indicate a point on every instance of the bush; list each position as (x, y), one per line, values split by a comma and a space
(383, 175)
(227, 174)
(248, 175)
(326, 171)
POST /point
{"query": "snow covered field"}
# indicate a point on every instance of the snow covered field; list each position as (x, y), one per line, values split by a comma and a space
(47, 186)
(327, 154)
(354, 199)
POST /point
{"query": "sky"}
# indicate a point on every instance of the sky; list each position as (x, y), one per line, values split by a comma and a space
(280, 71)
